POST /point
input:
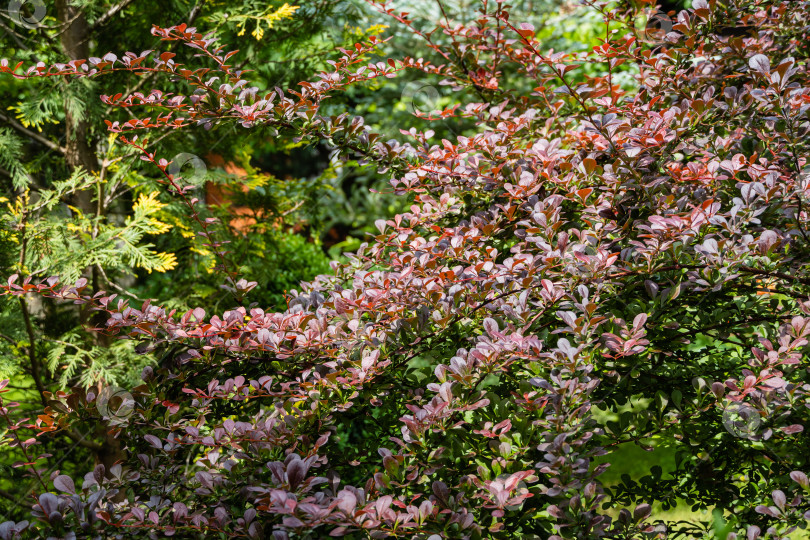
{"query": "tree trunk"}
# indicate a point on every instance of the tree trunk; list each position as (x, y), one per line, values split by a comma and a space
(80, 152)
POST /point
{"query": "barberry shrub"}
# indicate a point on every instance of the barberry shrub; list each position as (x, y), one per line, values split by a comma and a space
(592, 250)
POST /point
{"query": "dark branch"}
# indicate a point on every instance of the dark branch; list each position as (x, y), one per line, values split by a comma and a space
(31, 135)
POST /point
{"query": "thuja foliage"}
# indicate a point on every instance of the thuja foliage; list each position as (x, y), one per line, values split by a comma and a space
(73, 202)
(589, 247)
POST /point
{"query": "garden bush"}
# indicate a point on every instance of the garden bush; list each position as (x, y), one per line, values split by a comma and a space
(597, 266)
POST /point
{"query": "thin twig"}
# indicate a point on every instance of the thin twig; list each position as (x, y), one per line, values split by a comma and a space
(101, 21)
(31, 135)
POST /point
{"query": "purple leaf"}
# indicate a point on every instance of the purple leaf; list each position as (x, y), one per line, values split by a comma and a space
(154, 441)
(792, 429)
(64, 483)
(49, 503)
(760, 63)
(346, 501)
(779, 498)
(296, 472)
(766, 510)
(800, 478)
(641, 512)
